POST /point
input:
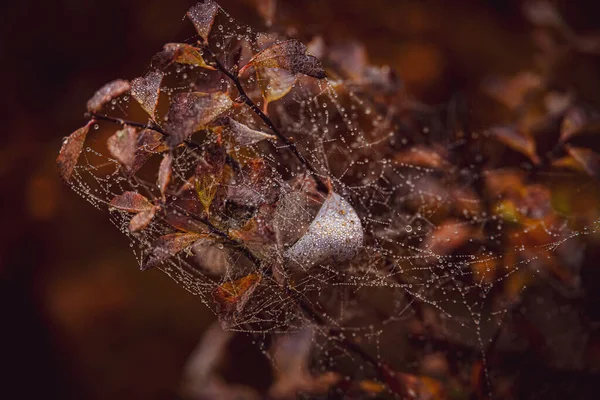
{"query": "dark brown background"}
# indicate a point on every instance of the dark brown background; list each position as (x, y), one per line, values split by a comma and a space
(78, 320)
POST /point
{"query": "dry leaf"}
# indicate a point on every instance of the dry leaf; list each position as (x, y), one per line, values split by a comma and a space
(169, 245)
(146, 90)
(123, 145)
(335, 234)
(70, 151)
(191, 111)
(131, 202)
(185, 54)
(588, 159)
(515, 140)
(106, 93)
(290, 55)
(142, 219)
(231, 296)
(164, 173)
(244, 135)
(203, 15)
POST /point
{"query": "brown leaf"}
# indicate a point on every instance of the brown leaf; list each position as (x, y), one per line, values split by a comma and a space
(423, 157)
(123, 145)
(169, 245)
(185, 54)
(446, 238)
(274, 83)
(146, 90)
(191, 111)
(106, 93)
(513, 91)
(142, 219)
(70, 151)
(209, 173)
(515, 140)
(131, 202)
(578, 121)
(149, 142)
(588, 159)
(244, 135)
(234, 295)
(289, 55)
(164, 173)
(202, 15)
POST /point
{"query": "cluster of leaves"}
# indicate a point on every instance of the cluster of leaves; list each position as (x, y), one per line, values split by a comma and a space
(299, 192)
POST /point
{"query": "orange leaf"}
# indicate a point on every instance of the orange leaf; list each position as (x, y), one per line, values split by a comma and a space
(70, 151)
(106, 93)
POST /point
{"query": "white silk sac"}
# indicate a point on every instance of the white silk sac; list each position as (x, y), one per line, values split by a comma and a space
(335, 235)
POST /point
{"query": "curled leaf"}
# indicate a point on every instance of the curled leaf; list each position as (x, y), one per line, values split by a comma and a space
(335, 234)
(185, 54)
(274, 83)
(515, 140)
(164, 173)
(169, 245)
(231, 296)
(70, 151)
(131, 202)
(202, 15)
(146, 90)
(142, 219)
(191, 111)
(123, 145)
(244, 135)
(106, 93)
(290, 55)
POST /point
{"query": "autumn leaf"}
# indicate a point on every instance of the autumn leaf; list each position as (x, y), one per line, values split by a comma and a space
(131, 202)
(446, 238)
(274, 84)
(233, 295)
(191, 111)
(185, 54)
(335, 234)
(516, 141)
(169, 245)
(142, 219)
(146, 90)
(149, 142)
(70, 151)
(244, 135)
(123, 145)
(588, 159)
(512, 91)
(290, 55)
(203, 15)
(106, 93)
(164, 173)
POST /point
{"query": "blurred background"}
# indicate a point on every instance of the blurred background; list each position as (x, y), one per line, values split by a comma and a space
(79, 320)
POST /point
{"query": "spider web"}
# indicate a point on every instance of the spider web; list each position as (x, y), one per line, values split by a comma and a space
(435, 239)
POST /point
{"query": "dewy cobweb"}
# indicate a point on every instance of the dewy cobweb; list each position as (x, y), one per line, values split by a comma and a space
(272, 192)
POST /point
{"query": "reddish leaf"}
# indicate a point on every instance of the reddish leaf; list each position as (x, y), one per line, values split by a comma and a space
(106, 93)
(70, 151)
(149, 142)
(234, 295)
(142, 219)
(244, 135)
(131, 202)
(446, 238)
(512, 91)
(191, 111)
(146, 90)
(423, 157)
(123, 145)
(578, 121)
(510, 137)
(164, 173)
(203, 16)
(588, 159)
(289, 55)
(274, 83)
(185, 54)
(169, 245)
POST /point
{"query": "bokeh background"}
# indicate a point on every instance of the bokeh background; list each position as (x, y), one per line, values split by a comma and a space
(78, 319)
